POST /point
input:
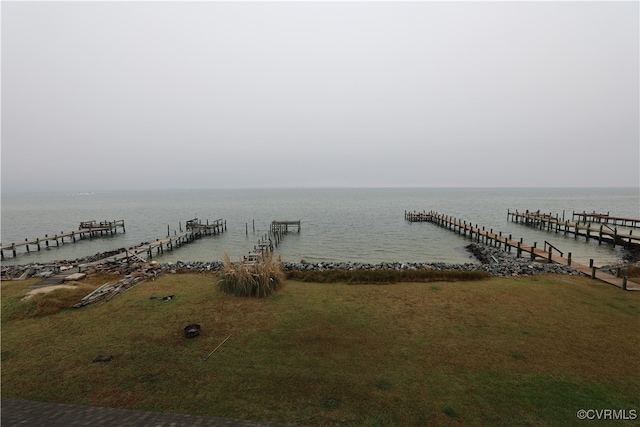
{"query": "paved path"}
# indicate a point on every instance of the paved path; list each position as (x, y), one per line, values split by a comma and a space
(43, 414)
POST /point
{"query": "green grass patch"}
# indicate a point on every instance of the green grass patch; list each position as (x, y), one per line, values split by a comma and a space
(450, 412)
(499, 352)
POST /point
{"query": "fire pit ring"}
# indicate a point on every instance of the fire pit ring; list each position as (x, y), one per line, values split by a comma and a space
(192, 330)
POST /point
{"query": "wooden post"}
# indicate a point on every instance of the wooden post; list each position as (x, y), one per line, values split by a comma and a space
(533, 255)
(600, 235)
(624, 283)
(569, 259)
(593, 272)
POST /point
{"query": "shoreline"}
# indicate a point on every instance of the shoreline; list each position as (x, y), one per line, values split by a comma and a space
(492, 260)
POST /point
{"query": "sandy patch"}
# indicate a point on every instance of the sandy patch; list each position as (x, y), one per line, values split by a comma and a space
(44, 290)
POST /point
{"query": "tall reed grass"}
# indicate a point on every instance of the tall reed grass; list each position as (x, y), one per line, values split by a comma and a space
(251, 280)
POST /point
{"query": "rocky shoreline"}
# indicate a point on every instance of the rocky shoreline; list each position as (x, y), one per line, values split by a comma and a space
(490, 259)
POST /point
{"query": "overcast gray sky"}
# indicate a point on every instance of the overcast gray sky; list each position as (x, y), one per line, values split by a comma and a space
(155, 95)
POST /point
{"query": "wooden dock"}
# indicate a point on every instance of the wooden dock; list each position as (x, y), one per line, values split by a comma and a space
(548, 253)
(603, 232)
(270, 241)
(87, 229)
(283, 226)
(197, 227)
(596, 217)
(145, 251)
(195, 230)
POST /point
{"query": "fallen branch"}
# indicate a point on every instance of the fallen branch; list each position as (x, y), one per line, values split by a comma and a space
(214, 350)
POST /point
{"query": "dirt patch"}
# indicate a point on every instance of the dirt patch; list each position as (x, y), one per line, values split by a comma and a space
(44, 290)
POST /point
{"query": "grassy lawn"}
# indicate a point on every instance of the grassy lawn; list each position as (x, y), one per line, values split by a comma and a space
(517, 351)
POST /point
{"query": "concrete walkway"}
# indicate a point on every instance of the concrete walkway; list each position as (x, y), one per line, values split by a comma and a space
(43, 414)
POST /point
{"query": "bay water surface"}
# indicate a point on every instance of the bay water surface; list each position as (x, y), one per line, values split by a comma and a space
(337, 224)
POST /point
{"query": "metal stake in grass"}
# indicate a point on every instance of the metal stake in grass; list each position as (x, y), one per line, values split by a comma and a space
(214, 350)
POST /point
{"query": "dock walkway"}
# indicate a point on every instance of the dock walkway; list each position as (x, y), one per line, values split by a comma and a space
(603, 233)
(552, 254)
(145, 250)
(87, 229)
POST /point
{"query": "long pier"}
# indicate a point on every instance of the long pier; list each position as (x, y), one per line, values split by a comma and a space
(87, 229)
(549, 253)
(195, 229)
(603, 233)
(145, 251)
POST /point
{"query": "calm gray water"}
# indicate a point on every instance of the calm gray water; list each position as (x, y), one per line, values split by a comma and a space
(365, 225)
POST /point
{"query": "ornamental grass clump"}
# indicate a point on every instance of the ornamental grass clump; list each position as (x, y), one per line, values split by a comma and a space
(251, 280)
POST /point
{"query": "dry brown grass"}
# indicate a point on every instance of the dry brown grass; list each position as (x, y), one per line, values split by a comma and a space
(53, 301)
(517, 351)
